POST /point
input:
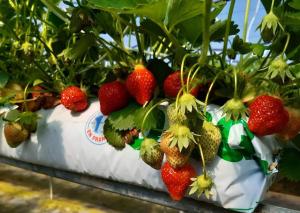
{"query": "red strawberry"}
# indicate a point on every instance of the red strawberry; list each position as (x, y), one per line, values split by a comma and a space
(112, 96)
(73, 98)
(172, 85)
(177, 180)
(267, 115)
(141, 84)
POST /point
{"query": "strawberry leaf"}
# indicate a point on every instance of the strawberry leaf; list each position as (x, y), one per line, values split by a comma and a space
(113, 136)
(124, 118)
(155, 119)
(3, 79)
(288, 165)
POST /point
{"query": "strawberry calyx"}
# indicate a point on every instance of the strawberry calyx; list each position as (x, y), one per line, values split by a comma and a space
(201, 184)
(271, 22)
(234, 109)
(187, 102)
(180, 136)
(279, 67)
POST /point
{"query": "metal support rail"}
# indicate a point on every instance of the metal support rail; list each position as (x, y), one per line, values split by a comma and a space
(273, 204)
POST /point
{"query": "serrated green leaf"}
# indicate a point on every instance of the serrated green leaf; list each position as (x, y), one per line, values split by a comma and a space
(168, 12)
(124, 119)
(288, 165)
(113, 136)
(292, 20)
(80, 47)
(154, 120)
(217, 30)
(295, 4)
(181, 10)
(3, 79)
(295, 70)
(51, 5)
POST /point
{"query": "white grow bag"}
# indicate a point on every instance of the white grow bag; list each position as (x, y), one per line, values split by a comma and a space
(75, 142)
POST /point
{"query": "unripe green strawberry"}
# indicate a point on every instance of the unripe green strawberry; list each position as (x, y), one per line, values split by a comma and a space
(175, 116)
(269, 26)
(151, 153)
(209, 139)
(15, 134)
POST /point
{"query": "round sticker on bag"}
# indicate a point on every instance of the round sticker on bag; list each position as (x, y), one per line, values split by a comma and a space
(94, 129)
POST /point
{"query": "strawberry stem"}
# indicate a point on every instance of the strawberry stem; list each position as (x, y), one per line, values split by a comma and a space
(235, 95)
(272, 5)
(203, 160)
(25, 95)
(286, 43)
(189, 75)
(206, 33)
(138, 40)
(210, 89)
(147, 114)
(246, 23)
(181, 70)
(227, 31)
(194, 75)
(177, 97)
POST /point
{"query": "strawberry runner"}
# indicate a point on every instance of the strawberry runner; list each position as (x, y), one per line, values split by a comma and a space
(62, 140)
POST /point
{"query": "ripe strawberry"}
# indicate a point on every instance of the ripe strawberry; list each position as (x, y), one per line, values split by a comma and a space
(151, 154)
(175, 157)
(113, 96)
(292, 128)
(172, 85)
(74, 99)
(141, 84)
(209, 139)
(267, 115)
(177, 180)
(15, 134)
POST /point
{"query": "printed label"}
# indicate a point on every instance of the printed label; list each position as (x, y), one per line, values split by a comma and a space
(94, 129)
